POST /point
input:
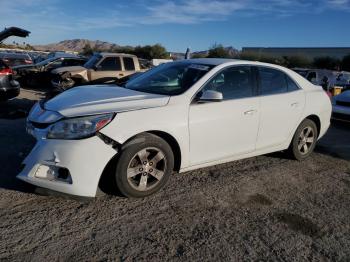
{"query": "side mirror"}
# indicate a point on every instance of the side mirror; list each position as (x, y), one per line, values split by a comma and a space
(210, 96)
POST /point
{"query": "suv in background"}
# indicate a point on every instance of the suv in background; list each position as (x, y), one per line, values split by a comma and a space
(101, 68)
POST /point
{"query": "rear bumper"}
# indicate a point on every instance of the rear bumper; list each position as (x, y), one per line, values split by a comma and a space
(84, 160)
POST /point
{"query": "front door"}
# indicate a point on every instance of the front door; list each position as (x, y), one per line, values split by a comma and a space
(220, 130)
(107, 70)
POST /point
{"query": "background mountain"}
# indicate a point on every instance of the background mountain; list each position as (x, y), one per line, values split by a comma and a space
(76, 45)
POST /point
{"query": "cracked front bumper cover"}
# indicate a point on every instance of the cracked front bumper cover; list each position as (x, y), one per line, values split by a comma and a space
(84, 159)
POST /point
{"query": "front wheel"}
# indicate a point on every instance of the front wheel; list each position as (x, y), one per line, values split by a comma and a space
(144, 166)
(304, 140)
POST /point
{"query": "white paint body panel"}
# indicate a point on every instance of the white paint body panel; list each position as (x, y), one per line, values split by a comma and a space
(207, 134)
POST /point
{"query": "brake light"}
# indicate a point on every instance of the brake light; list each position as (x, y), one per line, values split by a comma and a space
(28, 61)
(6, 71)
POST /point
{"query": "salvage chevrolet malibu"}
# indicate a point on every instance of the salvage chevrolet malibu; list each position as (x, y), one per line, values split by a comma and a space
(177, 117)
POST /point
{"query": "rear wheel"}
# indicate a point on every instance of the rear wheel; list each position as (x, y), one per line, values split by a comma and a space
(144, 166)
(304, 140)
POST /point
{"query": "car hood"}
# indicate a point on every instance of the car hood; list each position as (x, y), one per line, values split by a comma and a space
(69, 69)
(345, 96)
(98, 99)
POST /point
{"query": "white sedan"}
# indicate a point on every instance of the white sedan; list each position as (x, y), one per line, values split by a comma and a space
(178, 117)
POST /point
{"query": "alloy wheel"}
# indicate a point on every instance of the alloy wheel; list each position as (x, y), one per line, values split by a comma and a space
(306, 140)
(146, 169)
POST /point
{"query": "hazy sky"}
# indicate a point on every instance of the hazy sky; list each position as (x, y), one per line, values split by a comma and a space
(178, 24)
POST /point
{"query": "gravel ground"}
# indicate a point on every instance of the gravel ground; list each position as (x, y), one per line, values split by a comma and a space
(262, 208)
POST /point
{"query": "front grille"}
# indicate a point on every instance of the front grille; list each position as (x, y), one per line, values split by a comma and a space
(343, 117)
(342, 103)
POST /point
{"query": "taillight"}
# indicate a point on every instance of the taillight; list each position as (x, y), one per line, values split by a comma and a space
(28, 61)
(6, 71)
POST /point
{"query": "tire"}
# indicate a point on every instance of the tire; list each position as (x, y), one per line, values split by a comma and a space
(304, 140)
(144, 166)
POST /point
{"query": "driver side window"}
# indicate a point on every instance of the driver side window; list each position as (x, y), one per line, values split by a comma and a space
(233, 82)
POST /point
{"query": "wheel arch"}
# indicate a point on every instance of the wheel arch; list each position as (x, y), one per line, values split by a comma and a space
(105, 184)
(316, 119)
(175, 147)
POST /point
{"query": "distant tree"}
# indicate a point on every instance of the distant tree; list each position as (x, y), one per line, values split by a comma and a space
(345, 63)
(326, 62)
(123, 49)
(158, 51)
(151, 52)
(199, 55)
(218, 51)
(87, 50)
(252, 56)
(296, 61)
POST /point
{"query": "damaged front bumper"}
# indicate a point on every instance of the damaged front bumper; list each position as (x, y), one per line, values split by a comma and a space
(68, 166)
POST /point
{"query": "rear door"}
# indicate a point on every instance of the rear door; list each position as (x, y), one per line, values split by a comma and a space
(281, 105)
(107, 70)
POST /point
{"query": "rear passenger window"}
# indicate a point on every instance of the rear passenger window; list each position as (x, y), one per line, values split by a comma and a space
(292, 86)
(234, 82)
(110, 64)
(129, 64)
(272, 81)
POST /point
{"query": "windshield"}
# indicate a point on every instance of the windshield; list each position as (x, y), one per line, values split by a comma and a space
(92, 61)
(169, 79)
(46, 61)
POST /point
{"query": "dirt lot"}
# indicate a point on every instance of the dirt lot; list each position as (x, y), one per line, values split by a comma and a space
(267, 207)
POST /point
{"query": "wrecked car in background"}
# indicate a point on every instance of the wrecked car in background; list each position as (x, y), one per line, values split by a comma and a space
(101, 68)
(39, 74)
(9, 88)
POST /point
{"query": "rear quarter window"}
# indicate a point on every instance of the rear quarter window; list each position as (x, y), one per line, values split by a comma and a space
(272, 81)
(129, 64)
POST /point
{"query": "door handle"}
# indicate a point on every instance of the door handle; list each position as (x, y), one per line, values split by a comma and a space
(296, 104)
(250, 112)
(121, 74)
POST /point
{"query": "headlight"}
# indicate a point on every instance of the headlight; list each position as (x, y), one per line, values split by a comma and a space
(80, 127)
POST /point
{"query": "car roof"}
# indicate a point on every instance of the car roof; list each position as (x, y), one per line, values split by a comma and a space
(115, 54)
(14, 55)
(210, 61)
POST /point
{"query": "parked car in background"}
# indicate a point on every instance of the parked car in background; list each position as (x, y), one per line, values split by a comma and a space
(60, 54)
(9, 88)
(39, 75)
(341, 107)
(179, 116)
(301, 71)
(322, 77)
(343, 80)
(101, 68)
(14, 59)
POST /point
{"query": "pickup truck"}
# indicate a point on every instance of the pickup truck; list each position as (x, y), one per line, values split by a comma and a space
(101, 68)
